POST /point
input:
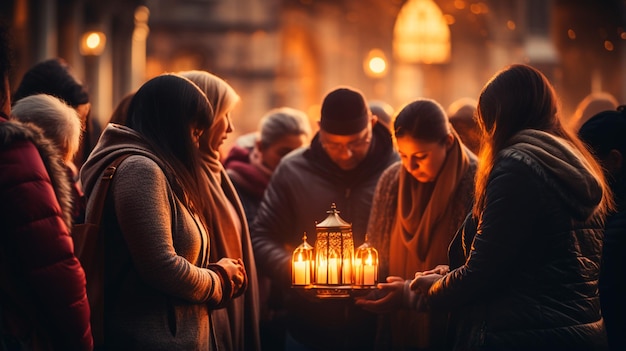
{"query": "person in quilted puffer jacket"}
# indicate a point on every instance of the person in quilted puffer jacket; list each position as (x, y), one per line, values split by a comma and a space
(43, 301)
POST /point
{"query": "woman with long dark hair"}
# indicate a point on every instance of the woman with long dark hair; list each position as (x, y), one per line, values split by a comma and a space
(528, 277)
(159, 286)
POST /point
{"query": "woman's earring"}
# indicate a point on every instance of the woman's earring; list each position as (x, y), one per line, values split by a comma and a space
(196, 133)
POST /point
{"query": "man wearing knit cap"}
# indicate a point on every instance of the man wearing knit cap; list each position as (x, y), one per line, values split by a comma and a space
(342, 166)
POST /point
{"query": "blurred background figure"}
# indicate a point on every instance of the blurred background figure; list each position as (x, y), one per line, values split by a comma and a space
(55, 77)
(605, 133)
(250, 167)
(60, 124)
(461, 114)
(238, 327)
(383, 111)
(281, 131)
(589, 106)
(43, 300)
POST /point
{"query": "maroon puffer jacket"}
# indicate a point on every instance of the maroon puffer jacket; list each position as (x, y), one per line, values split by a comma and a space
(43, 301)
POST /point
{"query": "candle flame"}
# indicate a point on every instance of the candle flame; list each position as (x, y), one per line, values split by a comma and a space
(369, 260)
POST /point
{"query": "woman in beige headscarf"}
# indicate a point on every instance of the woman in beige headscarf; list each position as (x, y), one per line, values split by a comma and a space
(229, 232)
(418, 205)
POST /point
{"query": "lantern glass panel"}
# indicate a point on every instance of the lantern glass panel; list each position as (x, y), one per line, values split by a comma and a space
(366, 265)
(302, 264)
(334, 250)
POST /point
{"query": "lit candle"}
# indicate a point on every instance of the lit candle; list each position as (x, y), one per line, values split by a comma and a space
(346, 272)
(369, 274)
(333, 272)
(301, 271)
(321, 272)
(358, 266)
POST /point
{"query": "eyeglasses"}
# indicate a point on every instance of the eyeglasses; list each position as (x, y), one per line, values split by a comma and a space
(354, 146)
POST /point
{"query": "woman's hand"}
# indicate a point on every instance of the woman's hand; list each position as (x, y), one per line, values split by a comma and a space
(236, 273)
(424, 280)
(391, 299)
(441, 269)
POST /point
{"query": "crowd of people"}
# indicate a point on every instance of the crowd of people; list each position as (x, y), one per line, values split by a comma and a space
(499, 226)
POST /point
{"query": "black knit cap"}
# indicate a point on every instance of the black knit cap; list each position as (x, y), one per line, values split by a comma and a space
(344, 112)
(53, 77)
(606, 130)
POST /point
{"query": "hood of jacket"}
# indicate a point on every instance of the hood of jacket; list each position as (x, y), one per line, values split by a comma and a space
(11, 131)
(558, 162)
(116, 140)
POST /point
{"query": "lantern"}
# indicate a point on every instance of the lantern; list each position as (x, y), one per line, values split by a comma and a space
(302, 263)
(334, 250)
(329, 270)
(366, 265)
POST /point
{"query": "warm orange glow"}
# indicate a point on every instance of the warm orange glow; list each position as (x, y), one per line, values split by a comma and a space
(459, 4)
(92, 43)
(450, 20)
(421, 33)
(142, 14)
(510, 25)
(375, 64)
(608, 45)
(571, 34)
(301, 268)
(623, 35)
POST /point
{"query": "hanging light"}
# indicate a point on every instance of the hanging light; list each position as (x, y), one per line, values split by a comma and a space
(421, 33)
(92, 43)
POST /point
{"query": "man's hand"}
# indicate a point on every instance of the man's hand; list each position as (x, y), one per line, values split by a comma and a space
(391, 299)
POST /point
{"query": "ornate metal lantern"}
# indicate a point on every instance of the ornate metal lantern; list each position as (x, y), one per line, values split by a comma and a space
(302, 264)
(330, 269)
(334, 250)
(366, 265)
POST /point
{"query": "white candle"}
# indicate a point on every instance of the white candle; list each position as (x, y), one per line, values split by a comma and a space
(299, 269)
(358, 266)
(321, 272)
(368, 275)
(307, 272)
(333, 273)
(346, 273)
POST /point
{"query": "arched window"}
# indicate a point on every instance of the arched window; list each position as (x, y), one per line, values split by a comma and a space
(421, 34)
